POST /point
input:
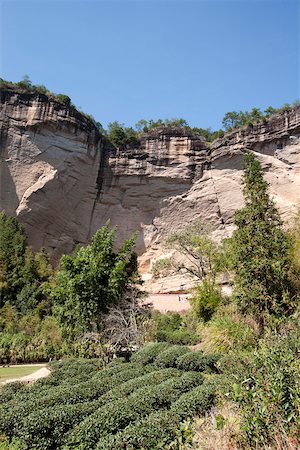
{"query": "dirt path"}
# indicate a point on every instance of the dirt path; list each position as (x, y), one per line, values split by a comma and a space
(40, 373)
(169, 302)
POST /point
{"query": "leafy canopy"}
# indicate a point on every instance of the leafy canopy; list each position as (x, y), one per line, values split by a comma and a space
(91, 280)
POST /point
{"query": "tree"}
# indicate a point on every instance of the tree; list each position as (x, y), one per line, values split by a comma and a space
(256, 115)
(231, 120)
(203, 259)
(121, 136)
(124, 323)
(23, 274)
(91, 280)
(200, 256)
(260, 249)
(25, 83)
(270, 111)
(12, 258)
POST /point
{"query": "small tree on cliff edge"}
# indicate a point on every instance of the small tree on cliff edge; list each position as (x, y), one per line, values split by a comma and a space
(260, 250)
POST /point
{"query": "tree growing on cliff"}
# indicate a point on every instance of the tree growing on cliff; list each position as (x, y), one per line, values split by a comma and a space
(197, 254)
(261, 258)
(122, 136)
(91, 280)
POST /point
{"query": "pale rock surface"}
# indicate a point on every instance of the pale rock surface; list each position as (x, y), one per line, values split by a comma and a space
(63, 182)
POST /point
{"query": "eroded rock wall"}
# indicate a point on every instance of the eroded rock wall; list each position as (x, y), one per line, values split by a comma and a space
(63, 182)
(50, 158)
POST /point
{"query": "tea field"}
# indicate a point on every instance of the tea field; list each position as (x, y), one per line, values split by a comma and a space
(140, 404)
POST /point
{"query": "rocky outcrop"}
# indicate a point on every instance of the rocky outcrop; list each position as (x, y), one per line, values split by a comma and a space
(62, 180)
(50, 159)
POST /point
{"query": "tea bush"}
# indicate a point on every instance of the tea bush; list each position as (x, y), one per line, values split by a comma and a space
(118, 414)
(153, 432)
(169, 357)
(197, 361)
(149, 352)
(9, 391)
(125, 405)
(47, 426)
(195, 402)
(12, 413)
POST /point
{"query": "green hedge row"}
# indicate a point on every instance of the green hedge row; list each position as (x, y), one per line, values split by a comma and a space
(168, 357)
(164, 355)
(156, 431)
(118, 414)
(148, 353)
(45, 428)
(12, 413)
(10, 390)
(197, 361)
(159, 429)
(195, 402)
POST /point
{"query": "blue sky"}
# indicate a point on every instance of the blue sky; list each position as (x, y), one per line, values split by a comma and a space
(127, 60)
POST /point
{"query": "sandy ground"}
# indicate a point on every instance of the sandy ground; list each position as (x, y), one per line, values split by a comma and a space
(169, 302)
(40, 373)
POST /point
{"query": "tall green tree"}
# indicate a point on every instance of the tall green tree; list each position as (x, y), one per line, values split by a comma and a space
(261, 258)
(12, 258)
(90, 281)
(23, 274)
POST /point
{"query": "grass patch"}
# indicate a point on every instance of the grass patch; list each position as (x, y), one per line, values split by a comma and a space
(11, 373)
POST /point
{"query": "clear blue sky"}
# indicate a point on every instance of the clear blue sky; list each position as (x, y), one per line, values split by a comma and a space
(127, 60)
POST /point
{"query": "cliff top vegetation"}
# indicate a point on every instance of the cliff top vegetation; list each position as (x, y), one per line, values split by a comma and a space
(126, 137)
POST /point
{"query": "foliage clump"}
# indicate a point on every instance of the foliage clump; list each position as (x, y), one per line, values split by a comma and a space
(91, 280)
(238, 119)
(269, 393)
(197, 361)
(168, 357)
(174, 328)
(148, 353)
(261, 259)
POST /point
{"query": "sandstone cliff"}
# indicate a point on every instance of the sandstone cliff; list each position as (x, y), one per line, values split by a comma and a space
(62, 180)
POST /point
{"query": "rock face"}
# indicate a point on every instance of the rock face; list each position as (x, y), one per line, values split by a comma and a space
(63, 182)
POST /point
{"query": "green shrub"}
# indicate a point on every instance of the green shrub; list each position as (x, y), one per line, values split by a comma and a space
(229, 331)
(269, 393)
(8, 391)
(149, 379)
(62, 98)
(118, 414)
(116, 361)
(197, 361)
(178, 337)
(44, 429)
(195, 402)
(206, 299)
(156, 431)
(169, 357)
(70, 369)
(149, 352)
(15, 444)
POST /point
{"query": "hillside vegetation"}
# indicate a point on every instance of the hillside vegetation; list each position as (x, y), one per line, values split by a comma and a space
(139, 404)
(122, 136)
(224, 375)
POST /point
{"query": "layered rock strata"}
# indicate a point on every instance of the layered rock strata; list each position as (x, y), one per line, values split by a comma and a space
(63, 181)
